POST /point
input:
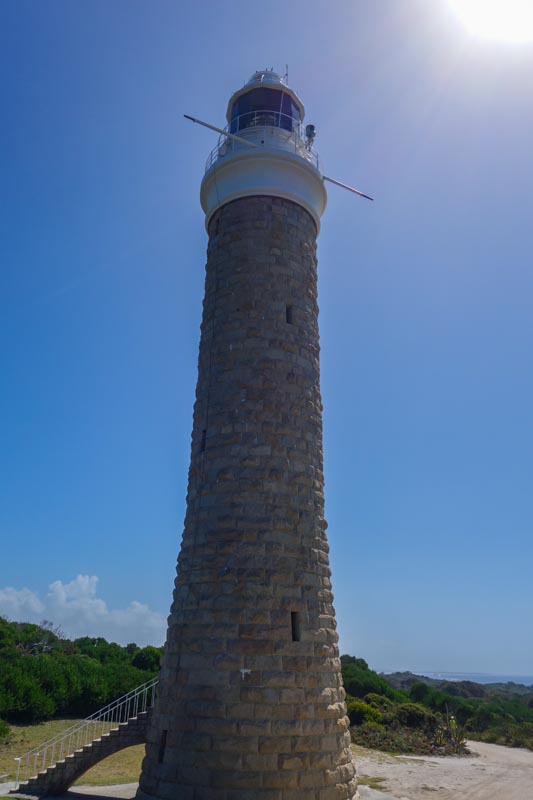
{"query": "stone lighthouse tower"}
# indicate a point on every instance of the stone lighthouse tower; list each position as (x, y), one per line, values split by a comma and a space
(250, 701)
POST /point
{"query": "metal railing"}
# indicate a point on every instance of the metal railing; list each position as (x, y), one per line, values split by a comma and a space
(81, 733)
(270, 129)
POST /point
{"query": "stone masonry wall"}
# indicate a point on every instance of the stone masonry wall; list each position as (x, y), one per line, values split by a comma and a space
(250, 702)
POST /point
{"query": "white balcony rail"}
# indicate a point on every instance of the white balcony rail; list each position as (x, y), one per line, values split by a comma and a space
(269, 129)
(78, 735)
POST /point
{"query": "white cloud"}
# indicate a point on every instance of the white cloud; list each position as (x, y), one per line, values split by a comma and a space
(19, 603)
(77, 609)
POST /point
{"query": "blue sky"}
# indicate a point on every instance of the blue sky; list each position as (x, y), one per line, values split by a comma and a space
(425, 311)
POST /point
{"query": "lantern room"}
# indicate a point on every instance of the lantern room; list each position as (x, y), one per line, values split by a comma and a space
(265, 100)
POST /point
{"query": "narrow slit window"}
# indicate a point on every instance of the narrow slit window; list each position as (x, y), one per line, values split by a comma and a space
(295, 626)
(162, 746)
(204, 436)
(289, 314)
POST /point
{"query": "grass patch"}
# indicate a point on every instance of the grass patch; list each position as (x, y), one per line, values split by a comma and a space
(121, 767)
(26, 737)
(374, 783)
(377, 755)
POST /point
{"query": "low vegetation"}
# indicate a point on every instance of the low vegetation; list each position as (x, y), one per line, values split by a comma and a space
(409, 714)
(372, 782)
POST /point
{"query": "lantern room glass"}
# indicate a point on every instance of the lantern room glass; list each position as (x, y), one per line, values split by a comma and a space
(264, 107)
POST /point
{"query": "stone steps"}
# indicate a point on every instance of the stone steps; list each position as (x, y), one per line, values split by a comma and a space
(56, 779)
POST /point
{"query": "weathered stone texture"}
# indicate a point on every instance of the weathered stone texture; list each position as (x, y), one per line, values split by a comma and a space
(248, 711)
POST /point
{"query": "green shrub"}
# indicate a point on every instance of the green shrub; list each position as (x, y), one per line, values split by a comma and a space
(360, 712)
(379, 737)
(413, 715)
(5, 731)
(419, 692)
(481, 720)
(148, 659)
(360, 681)
(378, 701)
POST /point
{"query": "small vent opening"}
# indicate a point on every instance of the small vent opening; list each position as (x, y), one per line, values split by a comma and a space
(289, 314)
(202, 445)
(162, 746)
(295, 626)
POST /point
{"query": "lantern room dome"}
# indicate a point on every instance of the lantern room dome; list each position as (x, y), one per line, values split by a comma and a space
(266, 76)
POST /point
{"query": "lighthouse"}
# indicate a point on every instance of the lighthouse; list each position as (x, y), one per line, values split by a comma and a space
(250, 701)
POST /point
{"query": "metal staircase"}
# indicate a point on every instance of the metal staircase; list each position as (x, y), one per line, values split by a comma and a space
(54, 766)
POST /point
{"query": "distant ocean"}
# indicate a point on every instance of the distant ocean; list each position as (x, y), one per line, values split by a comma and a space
(477, 677)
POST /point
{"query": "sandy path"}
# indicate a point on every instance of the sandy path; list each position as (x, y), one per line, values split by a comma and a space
(490, 773)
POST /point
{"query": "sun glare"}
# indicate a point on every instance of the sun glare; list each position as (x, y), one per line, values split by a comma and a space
(511, 20)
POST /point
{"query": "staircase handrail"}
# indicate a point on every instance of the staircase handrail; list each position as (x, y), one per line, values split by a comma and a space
(97, 724)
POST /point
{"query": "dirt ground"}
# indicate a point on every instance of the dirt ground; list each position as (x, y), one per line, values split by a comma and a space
(491, 772)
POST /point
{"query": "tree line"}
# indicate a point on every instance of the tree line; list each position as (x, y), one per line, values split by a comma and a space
(44, 675)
